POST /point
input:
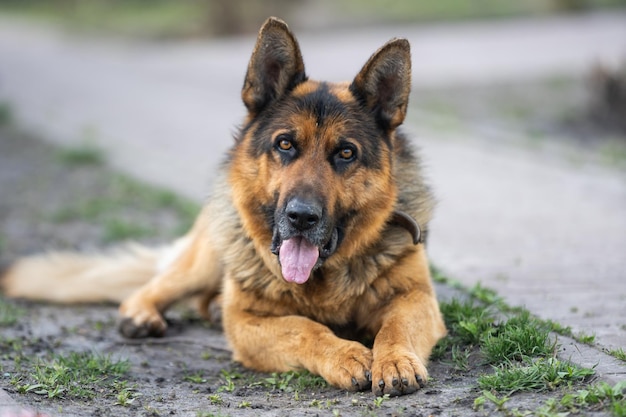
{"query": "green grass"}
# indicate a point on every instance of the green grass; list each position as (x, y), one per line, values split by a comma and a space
(6, 114)
(408, 10)
(286, 382)
(83, 154)
(540, 375)
(587, 339)
(614, 152)
(522, 336)
(119, 208)
(467, 321)
(209, 414)
(521, 352)
(519, 348)
(216, 399)
(118, 230)
(559, 328)
(460, 358)
(293, 381)
(76, 376)
(378, 401)
(9, 313)
(599, 396)
(196, 378)
(244, 404)
(126, 395)
(161, 18)
(618, 354)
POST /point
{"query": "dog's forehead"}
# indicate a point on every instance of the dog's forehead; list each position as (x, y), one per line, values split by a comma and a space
(312, 106)
(324, 90)
(324, 114)
(322, 100)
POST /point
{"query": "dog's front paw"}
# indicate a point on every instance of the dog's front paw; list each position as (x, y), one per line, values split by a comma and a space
(398, 373)
(139, 320)
(348, 367)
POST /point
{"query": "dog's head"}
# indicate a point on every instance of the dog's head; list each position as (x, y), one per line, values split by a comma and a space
(311, 171)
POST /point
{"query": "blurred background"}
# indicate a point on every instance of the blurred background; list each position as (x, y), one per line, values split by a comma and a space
(519, 108)
(203, 18)
(589, 98)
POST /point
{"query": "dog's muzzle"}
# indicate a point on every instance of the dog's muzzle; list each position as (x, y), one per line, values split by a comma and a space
(303, 238)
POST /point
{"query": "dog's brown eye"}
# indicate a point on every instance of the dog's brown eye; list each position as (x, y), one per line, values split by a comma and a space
(346, 153)
(285, 144)
(344, 156)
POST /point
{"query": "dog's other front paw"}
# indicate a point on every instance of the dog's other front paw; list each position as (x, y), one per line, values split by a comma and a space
(138, 321)
(398, 374)
(348, 367)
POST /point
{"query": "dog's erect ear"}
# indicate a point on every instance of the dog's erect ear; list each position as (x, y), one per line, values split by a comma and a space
(276, 66)
(384, 83)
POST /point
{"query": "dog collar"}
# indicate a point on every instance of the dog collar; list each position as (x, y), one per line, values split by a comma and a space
(402, 219)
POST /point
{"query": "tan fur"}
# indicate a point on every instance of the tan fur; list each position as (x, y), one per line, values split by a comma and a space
(66, 277)
(377, 282)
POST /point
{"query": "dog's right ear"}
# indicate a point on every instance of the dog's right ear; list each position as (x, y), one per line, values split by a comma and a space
(384, 83)
(276, 66)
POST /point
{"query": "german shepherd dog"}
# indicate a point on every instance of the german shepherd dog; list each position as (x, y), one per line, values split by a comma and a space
(314, 232)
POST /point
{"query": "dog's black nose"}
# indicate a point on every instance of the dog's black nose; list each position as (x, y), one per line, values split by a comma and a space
(303, 215)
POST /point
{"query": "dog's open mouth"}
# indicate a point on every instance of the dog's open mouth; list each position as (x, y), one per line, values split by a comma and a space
(298, 256)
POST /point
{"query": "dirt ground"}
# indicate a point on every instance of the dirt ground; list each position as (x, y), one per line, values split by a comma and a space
(186, 373)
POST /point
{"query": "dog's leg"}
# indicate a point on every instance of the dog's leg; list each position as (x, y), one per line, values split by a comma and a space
(265, 337)
(410, 326)
(195, 269)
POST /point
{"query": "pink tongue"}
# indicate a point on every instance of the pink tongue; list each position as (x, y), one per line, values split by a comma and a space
(297, 259)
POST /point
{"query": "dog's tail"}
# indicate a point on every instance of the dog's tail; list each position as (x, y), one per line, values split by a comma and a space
(66, 277)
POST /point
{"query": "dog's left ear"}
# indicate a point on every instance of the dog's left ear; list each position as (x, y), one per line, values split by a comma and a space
(384, 83)
(276, 66)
